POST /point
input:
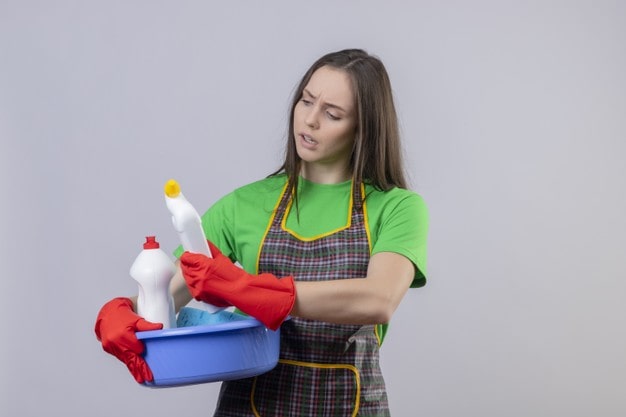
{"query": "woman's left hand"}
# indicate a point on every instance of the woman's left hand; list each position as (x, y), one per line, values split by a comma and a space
(220, 282)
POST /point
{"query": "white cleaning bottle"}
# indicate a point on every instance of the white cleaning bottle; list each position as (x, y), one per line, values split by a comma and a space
(187, 223)
(153, 270)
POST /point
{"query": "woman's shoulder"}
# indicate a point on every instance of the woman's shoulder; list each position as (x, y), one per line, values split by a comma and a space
(256, 191)
(250, 203)
(394, 197)
(271, 184)
(261, 194)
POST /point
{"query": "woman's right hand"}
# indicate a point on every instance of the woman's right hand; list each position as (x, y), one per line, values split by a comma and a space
(116, 325)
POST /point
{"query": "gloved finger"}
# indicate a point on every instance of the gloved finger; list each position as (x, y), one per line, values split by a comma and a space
(215, 251)
(143, 325)
(123, 341)
(191, 260)
(213, 300)
(138, 368)
(97, 329)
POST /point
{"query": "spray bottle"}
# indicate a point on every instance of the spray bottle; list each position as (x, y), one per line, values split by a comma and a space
(153, 270)
(187, 223)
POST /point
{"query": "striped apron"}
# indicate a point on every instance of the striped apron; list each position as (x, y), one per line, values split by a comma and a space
(324, 369)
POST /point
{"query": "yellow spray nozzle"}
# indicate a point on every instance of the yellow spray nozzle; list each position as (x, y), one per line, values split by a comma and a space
(171, 188)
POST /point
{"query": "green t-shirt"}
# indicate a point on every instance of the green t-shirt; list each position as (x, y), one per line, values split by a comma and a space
(397, 219)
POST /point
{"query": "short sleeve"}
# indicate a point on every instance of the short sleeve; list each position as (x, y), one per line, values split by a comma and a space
(403, 230)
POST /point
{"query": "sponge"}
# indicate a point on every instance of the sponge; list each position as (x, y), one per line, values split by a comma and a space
(189, 316)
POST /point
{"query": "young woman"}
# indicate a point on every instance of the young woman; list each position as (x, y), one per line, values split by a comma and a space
(333, 239)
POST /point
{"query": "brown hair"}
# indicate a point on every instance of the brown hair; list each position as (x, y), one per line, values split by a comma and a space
(376, 155)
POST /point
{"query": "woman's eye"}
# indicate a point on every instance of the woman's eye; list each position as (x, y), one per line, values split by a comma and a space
(306, 102)
(332, 116)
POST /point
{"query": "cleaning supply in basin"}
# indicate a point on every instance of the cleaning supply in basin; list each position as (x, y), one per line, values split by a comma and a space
(189, 316)
(187, 223)
(186, 220)
(153, 270)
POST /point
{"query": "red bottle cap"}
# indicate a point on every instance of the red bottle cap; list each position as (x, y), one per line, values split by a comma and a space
(151, 243)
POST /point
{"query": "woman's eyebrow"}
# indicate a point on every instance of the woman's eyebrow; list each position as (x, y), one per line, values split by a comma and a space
(327, 104)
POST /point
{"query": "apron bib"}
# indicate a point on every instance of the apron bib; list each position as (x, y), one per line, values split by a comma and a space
(324, 369)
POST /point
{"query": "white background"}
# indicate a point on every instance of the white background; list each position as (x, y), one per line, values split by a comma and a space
(513, 119)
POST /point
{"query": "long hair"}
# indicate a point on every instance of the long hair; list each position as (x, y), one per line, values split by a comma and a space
(376, 157)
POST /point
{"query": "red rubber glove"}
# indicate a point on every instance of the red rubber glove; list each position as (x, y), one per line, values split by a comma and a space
(264, 297)
(115, 328)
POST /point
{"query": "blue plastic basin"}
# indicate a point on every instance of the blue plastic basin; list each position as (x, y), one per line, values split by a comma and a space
(209, 353)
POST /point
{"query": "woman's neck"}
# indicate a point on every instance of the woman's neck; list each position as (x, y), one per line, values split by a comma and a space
(325, 174)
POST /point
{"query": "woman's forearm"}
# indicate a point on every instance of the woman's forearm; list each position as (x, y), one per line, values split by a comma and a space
(178, 289)
(369, 300)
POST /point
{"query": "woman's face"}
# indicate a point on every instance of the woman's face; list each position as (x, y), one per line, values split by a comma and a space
(325, 122)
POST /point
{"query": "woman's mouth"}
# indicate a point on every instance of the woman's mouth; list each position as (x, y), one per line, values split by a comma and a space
(307, 141)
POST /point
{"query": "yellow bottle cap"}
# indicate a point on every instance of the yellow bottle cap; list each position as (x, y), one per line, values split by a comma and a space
(171, 188)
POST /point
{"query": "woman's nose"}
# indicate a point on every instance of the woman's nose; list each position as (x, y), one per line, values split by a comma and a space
(312, 117)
